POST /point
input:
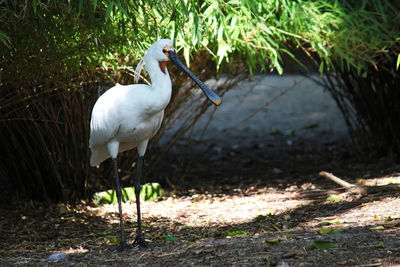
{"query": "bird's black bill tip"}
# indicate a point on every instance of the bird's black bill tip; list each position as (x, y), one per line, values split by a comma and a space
(213, 97)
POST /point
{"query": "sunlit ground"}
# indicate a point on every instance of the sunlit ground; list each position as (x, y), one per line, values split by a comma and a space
(206, 210)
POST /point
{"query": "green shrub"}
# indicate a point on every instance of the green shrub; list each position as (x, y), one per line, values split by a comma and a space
(56, 56)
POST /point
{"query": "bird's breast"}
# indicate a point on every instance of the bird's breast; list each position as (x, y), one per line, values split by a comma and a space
(136, 131)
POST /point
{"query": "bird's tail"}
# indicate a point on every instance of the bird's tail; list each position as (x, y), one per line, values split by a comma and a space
(98, 155)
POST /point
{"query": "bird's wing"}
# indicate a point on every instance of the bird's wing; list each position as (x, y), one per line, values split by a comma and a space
(118, 105)
(105, 121)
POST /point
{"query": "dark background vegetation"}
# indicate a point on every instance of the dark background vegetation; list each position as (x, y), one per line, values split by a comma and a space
(57, 56)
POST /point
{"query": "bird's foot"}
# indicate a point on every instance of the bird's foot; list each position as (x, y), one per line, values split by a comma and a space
(140, 242)
(123, 246)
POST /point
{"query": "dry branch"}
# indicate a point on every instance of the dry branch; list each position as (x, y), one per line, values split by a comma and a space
(361, 190)
(352, 189)
(336, 179)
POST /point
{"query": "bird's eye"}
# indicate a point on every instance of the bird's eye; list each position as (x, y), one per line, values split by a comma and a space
(164, 51)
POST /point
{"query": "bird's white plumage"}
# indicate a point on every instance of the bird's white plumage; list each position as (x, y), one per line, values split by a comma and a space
(125, 117)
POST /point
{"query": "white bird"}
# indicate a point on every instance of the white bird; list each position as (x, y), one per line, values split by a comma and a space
(125, 117)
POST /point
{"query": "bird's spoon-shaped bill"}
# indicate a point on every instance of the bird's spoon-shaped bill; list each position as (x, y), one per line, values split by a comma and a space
(213, 97)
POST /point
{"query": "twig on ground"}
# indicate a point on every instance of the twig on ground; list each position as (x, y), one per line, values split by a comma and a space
(360, 190)
(352, 189)
(336, 179)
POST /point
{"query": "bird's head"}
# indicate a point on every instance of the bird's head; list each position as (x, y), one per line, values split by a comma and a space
(163, 51)
(159, 51)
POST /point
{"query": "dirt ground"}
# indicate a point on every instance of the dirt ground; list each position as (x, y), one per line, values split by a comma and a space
(237, 212)
(248, 200)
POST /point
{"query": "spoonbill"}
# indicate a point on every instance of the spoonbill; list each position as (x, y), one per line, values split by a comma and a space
(127, 116)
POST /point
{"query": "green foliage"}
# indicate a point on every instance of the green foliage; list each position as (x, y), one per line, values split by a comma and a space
(56, 54)
(271, 242)
(258, 32)
(148, 192)
(376, 228)
(329, 223)
(235, 232)
(170, 237)
(334, 198)
(327, 231)
(322, 244)
(110, 196)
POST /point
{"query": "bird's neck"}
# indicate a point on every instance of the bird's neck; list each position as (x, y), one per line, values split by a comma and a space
(158, 77)
(161, 86)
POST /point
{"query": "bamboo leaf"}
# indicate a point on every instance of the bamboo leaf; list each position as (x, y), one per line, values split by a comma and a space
(122, 9)
(109, 9)
(80, 7)
(34, 6)
(321, 67)
(184, 7)
(322, 244)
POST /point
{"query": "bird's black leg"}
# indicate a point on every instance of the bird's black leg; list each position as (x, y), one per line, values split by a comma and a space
(139, 241)
(122, 245)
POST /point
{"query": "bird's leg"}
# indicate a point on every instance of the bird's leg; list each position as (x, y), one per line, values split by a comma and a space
(139, 241)
(122, 245)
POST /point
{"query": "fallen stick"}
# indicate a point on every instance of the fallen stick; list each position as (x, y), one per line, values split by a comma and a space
(352, 191)
(356, 191)
(336, 179)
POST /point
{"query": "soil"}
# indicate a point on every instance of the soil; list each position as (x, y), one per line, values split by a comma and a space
(253, 199)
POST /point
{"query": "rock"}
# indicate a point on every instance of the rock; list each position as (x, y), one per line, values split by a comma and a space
(57, 257)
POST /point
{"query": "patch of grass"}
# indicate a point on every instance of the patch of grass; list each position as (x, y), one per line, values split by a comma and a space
(235, 232)
(380, 245)
(170, 237)
(334, 198)
(322, 244)
(271, 242)
(327, 231)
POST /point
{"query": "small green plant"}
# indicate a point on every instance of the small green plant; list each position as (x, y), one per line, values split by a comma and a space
(235, 232)
(322, 244)
(271, 242)
(329, 223)
(170, 237)
(148, 192)
(334, 198)
(327, 231)
(377, 228)
(380, 245)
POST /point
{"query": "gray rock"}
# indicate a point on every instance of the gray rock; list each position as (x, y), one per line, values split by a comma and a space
(58, 257)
